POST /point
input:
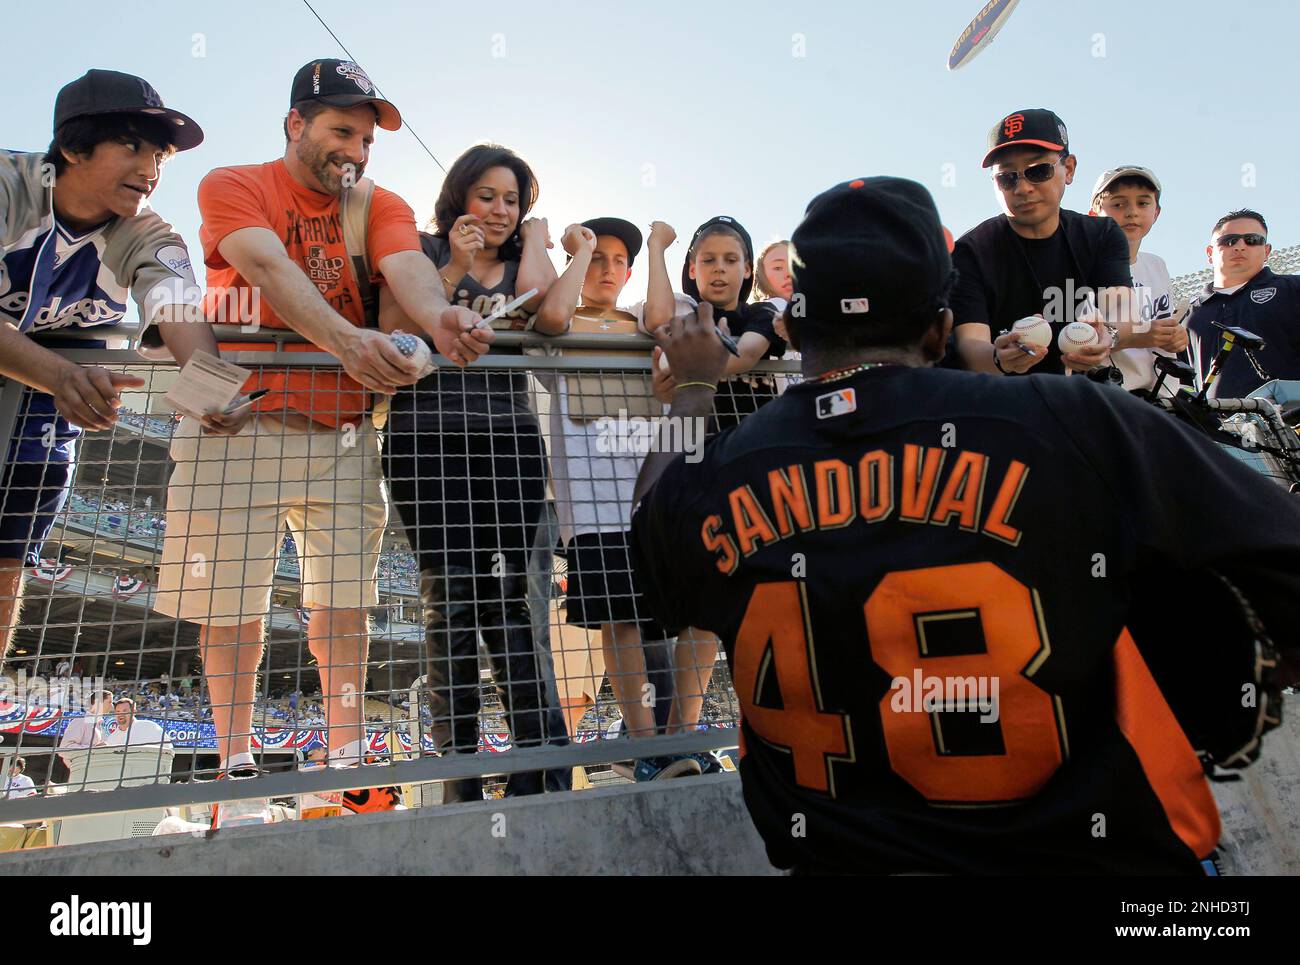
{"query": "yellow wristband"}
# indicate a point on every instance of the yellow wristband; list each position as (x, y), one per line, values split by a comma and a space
(707, 385)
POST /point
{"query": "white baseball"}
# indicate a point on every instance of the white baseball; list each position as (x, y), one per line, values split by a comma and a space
(1033, 330)
(1077, 335)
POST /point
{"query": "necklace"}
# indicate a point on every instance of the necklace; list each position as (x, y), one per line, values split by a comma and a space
(834, 375)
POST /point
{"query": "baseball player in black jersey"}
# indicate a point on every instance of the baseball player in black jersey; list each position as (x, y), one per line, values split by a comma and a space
(956, 607)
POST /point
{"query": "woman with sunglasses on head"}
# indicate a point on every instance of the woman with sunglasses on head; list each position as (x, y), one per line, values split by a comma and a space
(466, 468)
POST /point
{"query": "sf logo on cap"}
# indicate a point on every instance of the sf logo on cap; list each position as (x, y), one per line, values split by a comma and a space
(1013, 125)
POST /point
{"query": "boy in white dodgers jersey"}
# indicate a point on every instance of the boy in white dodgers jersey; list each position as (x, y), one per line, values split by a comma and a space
(76, 235)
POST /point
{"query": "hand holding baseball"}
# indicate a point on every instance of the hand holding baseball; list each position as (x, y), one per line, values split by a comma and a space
(1012, 357)
(1085, 357)
(691, 343)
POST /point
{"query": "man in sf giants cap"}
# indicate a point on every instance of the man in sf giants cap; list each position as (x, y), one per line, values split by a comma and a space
(937, 682)
(1037, 258)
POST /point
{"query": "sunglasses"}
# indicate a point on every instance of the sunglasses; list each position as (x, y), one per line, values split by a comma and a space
(1034, 174)
(1254, 240)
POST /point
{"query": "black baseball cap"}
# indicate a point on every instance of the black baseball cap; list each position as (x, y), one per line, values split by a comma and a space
(870, 248)
(688, 283)
(341, 83)
(624, 231)
(110, 92)
(1036, 126)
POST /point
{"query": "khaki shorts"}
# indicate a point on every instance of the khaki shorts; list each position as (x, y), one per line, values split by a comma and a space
(578, 657)
(230, 498)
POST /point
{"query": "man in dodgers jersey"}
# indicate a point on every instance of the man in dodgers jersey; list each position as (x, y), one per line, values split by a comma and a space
(939, 591)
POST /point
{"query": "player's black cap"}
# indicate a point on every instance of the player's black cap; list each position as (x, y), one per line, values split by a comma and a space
(870, 248)
(624, 231)
(341, 83)
(688, 283)
(110, 92)
(1036, 126)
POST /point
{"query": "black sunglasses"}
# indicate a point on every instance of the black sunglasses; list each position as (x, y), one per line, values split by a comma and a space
(1034, 174)
(1254, 239)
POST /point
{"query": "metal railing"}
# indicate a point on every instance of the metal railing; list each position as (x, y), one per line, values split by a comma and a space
(92, 600)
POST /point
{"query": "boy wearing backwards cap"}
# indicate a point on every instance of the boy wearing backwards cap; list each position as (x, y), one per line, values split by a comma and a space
(921, 564)
(76, 237)
(1131, 196)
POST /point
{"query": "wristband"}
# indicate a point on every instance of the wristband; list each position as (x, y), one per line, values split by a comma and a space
(997, 363)
(707, 385)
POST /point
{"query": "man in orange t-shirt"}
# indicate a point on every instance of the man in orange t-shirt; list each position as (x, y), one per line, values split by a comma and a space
(276, 257)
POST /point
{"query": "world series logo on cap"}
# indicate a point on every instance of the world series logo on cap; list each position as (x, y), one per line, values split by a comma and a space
(355, 74)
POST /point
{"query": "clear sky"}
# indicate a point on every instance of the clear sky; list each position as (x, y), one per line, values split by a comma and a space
(680, 110)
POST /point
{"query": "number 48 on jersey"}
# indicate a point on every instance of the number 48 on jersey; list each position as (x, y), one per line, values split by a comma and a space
(909, 619)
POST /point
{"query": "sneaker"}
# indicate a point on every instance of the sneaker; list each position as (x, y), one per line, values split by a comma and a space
(661, 768)
(371, 800)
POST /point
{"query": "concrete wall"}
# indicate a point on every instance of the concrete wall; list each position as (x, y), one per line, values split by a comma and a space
(690, 826)
(1261, 812)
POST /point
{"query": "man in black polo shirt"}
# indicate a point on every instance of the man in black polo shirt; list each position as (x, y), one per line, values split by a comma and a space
(1035, 258)
(1245, 294)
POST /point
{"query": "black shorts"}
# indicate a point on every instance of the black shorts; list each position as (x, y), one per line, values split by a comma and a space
(600, 585)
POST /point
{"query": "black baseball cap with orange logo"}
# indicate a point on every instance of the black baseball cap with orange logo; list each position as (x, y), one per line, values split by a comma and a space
(1035, 126)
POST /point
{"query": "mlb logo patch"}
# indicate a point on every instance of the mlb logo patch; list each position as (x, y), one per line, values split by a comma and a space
(836, 403)
(1262, 295)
